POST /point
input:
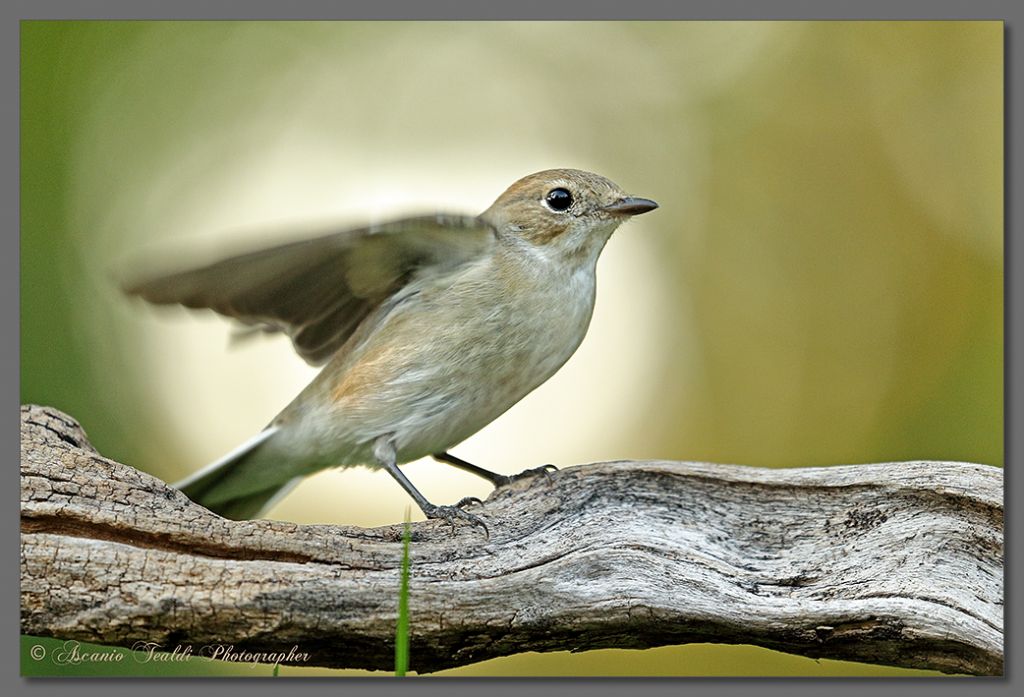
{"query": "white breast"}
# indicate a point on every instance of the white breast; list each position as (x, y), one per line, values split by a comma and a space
(502, 346)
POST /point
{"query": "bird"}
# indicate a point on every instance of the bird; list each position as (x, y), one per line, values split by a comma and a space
(427, 328)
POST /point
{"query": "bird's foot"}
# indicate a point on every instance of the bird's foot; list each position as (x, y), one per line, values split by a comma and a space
(452, 513)
(546, 470)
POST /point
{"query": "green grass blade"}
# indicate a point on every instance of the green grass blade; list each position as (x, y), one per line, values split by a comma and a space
(402, 630)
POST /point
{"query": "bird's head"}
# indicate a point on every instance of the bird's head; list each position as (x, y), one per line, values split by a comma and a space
(564, 211)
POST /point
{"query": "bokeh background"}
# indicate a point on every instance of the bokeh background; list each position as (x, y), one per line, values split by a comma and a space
(822, 284)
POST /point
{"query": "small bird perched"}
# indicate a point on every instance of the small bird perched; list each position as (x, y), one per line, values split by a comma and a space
(428, 328)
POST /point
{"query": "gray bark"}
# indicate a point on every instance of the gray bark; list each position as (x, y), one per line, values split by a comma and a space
(898, 564)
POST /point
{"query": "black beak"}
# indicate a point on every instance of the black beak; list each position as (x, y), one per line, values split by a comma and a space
(631, 205)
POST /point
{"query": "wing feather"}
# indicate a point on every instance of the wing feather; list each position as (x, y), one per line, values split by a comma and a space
(318, 291)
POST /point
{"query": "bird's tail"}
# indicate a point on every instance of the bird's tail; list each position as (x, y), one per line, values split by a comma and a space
(231, 487)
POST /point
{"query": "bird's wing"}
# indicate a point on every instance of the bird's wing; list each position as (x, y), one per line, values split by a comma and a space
(317, 291)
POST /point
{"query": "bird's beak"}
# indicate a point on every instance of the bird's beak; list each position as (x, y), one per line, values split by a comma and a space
(631, 205)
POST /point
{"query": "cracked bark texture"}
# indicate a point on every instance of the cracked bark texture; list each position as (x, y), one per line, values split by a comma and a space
(898, 564)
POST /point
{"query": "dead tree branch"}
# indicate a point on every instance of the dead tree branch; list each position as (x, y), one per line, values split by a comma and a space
(899, 564)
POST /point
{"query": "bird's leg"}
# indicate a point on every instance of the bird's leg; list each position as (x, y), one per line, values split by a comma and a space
(385, 455)
(493, 477)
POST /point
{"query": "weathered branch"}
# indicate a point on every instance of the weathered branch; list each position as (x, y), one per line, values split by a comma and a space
(897, 563)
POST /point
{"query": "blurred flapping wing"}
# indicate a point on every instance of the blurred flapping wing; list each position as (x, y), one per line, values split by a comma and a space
(317, 291)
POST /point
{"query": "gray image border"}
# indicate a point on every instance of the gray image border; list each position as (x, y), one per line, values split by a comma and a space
(12, 12)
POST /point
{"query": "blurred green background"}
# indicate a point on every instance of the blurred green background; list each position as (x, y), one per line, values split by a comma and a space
(823, 283)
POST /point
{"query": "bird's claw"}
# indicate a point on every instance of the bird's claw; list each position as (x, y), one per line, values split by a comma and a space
(451, 513)
(546, 470)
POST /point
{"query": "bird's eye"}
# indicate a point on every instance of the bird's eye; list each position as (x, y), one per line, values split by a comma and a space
(559, 199)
